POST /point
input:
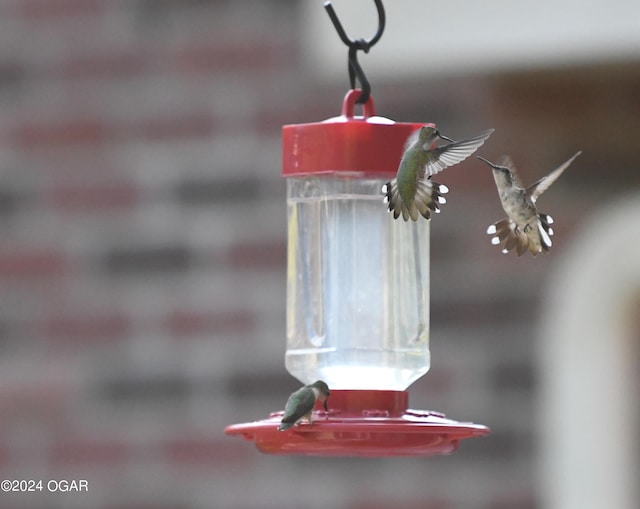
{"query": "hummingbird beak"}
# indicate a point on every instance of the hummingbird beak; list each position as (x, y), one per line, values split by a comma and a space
(488, 162)
(446, 138)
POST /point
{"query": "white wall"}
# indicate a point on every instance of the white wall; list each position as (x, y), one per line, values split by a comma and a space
(588, 364)
(432, 38)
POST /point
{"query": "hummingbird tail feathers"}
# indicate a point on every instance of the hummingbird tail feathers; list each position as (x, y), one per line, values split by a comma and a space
(546, 232)
(508, 233)
(427, 199)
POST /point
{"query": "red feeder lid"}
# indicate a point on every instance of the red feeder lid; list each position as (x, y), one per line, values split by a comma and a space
(362, 423)
(347, 143)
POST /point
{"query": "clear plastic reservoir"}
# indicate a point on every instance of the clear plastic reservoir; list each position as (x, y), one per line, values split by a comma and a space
(357, 286)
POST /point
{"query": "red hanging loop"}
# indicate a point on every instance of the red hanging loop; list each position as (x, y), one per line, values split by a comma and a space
(349, 105)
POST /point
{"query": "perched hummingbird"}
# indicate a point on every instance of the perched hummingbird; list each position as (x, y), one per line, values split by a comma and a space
(410, 193)
(301, 403)
(525, 228)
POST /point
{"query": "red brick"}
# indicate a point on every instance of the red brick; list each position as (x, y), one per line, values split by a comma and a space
(257, 54)
(83, 451)
(258, 255)
(60, 132)
(80, 197)
(44, 402)
(116, 63)
(194, 125)
(31, 263)
(65, 132)
(184, 322)
(81, 329)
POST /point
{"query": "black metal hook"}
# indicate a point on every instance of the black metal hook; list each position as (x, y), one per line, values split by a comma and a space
(355, 71)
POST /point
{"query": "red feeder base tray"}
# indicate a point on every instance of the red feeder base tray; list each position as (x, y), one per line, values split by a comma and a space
(362, 423)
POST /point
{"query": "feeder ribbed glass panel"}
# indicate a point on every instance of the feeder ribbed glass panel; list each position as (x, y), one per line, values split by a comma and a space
(357, 286)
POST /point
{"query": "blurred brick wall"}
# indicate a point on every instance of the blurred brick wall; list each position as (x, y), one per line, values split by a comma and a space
(142, 256)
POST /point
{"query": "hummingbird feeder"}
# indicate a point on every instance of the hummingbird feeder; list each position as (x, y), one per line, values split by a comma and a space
(357, 290)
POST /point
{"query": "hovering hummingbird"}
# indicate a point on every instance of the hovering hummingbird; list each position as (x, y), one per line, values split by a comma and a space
(301, 403)
(410, 193)
(525, 228)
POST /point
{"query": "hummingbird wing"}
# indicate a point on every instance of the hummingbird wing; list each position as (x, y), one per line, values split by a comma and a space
(447, 155)
(299, 404)
(536, 189)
